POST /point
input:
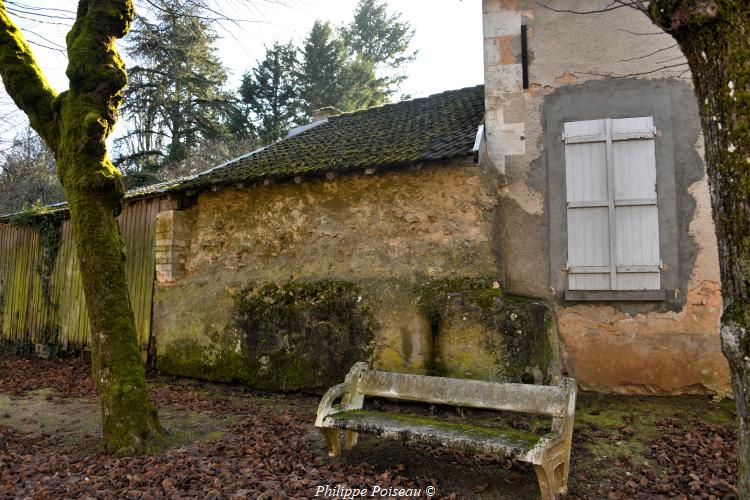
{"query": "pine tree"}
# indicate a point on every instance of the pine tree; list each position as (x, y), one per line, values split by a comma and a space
(324, 66)
(272, 92)
(362, 87)
(382, 40)
(333, 75)
(175, 97)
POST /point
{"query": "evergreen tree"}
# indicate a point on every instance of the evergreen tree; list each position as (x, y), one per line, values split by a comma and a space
(355, 68)
(382, 40)
(174, 99)
(361, 85)
(324, 68)
(272, 92)
(332, 75)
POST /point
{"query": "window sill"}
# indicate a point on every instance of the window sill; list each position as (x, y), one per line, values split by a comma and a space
(616, 295)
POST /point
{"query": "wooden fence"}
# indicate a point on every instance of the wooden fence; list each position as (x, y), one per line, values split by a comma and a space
(25, 314)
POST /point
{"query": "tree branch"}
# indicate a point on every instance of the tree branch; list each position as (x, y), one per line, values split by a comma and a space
(24, 81)
(613, 5)
(649, 33)
(650, 53)
(630, 75)
(672, 15)
(94, 66)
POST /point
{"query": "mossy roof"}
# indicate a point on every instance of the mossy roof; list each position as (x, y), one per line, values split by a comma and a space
(429, 129)
(439, 127)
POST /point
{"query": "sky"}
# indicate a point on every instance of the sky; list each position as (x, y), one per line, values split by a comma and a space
(448, 39)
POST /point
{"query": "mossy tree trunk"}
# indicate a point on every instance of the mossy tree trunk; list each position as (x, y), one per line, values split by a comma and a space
(715, 38)
(75, 124)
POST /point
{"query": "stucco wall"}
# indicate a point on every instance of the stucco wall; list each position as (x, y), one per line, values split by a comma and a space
(395, 224)
(666, 347)
(386, 232)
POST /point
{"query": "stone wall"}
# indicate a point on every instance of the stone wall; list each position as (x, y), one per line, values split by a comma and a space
(670, 347)
(388, 234)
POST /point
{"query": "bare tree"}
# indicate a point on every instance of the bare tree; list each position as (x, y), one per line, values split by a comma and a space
(28, 174)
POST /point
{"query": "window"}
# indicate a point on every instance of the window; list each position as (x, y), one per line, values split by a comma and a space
(612, 215)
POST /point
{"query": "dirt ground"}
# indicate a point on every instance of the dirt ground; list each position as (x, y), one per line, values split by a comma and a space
(227, 441)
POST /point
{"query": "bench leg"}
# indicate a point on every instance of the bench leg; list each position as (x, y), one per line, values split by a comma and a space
(547, 482)
(350, 439)
(331, 437)
(561, 477)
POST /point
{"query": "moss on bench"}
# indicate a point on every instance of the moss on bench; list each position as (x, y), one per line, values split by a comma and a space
(465, 436)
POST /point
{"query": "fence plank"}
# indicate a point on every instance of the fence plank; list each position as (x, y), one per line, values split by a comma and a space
(23, 311)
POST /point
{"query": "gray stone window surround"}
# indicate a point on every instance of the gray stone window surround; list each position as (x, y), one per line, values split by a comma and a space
(676, 136)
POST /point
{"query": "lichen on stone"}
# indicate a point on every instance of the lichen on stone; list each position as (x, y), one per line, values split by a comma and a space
(517, 334)
(301, 336)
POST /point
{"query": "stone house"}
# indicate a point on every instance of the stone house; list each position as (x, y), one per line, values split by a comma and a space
(556, 218)
(592, 128)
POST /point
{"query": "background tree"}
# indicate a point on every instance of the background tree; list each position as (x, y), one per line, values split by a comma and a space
(27, 174)
(208, 154)
(382, 40)
(272, 92)
(323, 68)
(362, 86)
(75, 125)
(358, 66)
(174, 99)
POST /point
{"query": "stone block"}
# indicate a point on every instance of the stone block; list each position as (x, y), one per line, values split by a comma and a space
(502, 79)
(480, 333)
(501, 22)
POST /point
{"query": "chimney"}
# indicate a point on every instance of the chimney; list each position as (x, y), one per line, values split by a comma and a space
(318, 117)
(324, 113)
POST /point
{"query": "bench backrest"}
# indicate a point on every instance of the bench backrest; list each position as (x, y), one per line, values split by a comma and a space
(524, 398)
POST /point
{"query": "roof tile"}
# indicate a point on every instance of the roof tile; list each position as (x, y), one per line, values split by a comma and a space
(433, 128)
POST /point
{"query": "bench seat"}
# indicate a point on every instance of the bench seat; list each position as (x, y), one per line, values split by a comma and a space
(510, 443)
(340, 410)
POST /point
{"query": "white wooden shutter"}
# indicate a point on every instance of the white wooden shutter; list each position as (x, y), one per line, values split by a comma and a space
(613, 232)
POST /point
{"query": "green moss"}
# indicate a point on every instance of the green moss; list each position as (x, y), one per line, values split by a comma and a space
(435, 297)
(497, 430)
(94, 191)
(435, 294)
(626, 425)
(46, 221)
(18, 348)
(519, 331)
(293, 336)
(301, 336)
(188, 427)
(216, 361)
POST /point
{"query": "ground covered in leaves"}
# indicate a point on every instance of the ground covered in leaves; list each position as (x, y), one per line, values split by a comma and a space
(227, 441)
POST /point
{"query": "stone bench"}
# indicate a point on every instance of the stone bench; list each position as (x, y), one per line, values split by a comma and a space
(550, 454)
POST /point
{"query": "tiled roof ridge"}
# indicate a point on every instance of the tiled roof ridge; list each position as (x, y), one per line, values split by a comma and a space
(412, 100)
